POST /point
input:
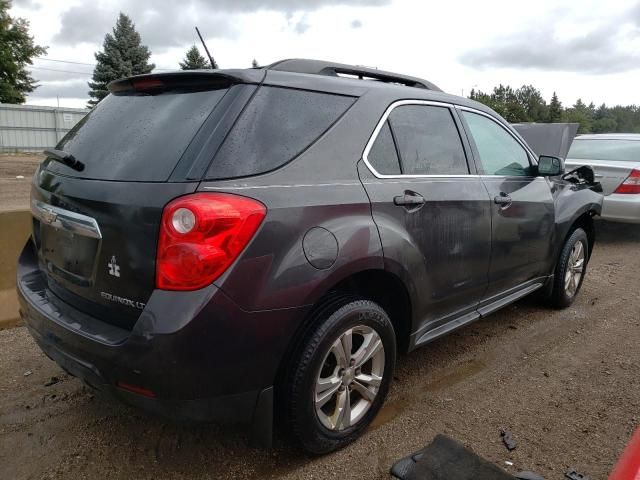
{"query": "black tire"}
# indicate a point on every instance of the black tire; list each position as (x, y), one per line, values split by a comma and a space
(299, 390)
(560, 296)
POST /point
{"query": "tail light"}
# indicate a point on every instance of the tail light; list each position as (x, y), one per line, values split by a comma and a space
(200, 237)
(631, 184)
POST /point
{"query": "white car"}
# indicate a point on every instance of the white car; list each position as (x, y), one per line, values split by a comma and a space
(615, 159)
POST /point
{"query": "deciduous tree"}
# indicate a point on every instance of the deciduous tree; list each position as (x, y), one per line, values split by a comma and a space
(17, 50)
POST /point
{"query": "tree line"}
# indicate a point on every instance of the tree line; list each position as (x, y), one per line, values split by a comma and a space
(526, 104)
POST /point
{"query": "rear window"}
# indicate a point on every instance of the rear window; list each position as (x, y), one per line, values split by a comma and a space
(428, 141)
(276, 126)
(620, 150)
(136, 137)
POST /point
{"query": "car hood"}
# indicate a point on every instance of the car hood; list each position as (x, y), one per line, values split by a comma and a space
(548, 138)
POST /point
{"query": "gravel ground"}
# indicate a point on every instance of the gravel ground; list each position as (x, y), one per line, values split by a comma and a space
(565, 383)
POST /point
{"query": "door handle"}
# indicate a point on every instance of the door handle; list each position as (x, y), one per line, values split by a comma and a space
(504, 200)
(409, 199)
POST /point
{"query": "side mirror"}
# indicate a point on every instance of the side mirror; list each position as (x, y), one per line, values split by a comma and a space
(549, 166)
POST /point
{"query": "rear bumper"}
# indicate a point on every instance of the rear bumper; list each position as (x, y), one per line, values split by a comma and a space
(237, 408)
(621, 208)
(194, 355)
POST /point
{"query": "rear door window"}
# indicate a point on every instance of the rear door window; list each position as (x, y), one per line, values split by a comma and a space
(136, 137)
(276, 126)
(428, 140)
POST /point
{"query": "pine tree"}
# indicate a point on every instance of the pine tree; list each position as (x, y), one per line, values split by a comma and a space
(193, 60)
(555, 109)
(254, 63)
(16, 52)
(123, 55)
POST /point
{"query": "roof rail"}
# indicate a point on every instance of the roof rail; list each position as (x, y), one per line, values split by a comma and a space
(320, 67)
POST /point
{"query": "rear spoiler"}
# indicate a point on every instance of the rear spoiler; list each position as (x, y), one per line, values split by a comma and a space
(187, 79)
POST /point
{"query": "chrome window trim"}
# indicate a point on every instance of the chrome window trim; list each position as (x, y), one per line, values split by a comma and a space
(57, 217)
(399, 103)
(376, 131)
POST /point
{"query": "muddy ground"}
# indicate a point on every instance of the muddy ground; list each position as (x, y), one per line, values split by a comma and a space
(15, 179)
(565, 383)
(14, 191)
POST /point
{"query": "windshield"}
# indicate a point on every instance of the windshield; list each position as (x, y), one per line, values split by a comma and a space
(136, 137)
(610, 149)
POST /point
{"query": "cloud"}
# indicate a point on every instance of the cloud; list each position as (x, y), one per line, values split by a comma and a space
(46, 72)
(606, 48)
(167, 23)
(356, 24)
(30, 4)
(301, 27)
(63, 89)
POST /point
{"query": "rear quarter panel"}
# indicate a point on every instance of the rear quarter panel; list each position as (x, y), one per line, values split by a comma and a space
(319, 188)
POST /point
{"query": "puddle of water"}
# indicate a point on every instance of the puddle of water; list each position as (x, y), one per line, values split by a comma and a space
(14, 230)
(395, 408)
(389, 412)
(462, 372)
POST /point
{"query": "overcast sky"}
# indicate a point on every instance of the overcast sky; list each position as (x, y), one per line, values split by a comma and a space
(581, 49)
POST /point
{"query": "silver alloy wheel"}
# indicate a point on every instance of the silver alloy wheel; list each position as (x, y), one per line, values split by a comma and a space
(575, 269)
(349, 378)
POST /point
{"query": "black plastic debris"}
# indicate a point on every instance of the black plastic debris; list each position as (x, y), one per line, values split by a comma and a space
(446, 459)
(508, 439)
(528, 476)
(572, 474)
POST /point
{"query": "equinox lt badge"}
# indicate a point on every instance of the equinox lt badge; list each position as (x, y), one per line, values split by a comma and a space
(114, 268)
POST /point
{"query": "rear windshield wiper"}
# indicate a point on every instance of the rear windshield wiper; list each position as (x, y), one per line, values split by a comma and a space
(65, 158)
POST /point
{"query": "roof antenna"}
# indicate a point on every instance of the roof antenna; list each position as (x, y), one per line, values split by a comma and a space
(213, 62)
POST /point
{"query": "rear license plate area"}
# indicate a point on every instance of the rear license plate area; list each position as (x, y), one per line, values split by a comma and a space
(68, 254)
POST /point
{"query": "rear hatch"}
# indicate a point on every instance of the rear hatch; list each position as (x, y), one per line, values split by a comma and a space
(612, 160)
(148, 142)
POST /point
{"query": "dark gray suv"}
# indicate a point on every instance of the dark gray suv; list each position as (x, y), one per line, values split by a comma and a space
(244, 245)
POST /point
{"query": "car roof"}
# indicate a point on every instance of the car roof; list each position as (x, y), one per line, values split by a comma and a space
(609, 136)
(369, 85)
(321, 76)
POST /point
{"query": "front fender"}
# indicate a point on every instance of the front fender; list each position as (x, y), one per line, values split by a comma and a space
(571, 203)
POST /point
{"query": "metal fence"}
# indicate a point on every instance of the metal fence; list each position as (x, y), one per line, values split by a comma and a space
(29, 128)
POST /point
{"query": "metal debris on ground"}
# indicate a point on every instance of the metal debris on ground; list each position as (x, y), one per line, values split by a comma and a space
(27, 373)
(51, 381)
(508, 439)
(572, 474)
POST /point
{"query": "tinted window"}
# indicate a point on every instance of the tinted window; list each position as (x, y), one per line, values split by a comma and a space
(277, 125)
(500, 153)
(136, 137)
(383, 156)
(428, 141)
(622, 150)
